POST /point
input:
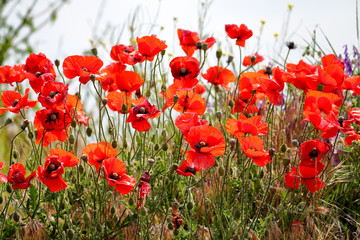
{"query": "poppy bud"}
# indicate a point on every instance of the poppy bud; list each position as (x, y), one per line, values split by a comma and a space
(30, 135)
(198, 45)
(176, 232)
(15, 154)
(163, 52)
(151, 161)
(218, 54)
(73, 180)
(218, 115)
(92, 77)
(114, 144)
(272, 152)
(221, 171)
(89, 131)
(25, 124)
(156, 147)
(261, 175)
(230, 59)
(84, 157)
(1, 199)
(165, 147)
(205, 46)
(175, 98)
(252, 59)
(291, 45)
(16, 217)
(283, 148)
(111, 130)
(231, 103)
(163, 88)
(86, 217)
(170, 226)
(163, 133)
(131, 201)
(125, 144)
(112, 210)
(189, 206)
(8, 121)
(143, 212)
(65, 226)
(104, 101)
(99, 227)
(71, 139)
(320, 87)
(81, 169)
(174, 167)
(57, 62)
(286, 161)
(73, 123)
(147, 94)
(232, 142)
(237, 214)
(295, 142)
(94, 51)
(8, 188)
(124, 108)
(145, 176)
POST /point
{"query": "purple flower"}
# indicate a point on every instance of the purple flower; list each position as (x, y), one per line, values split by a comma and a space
(348, 68)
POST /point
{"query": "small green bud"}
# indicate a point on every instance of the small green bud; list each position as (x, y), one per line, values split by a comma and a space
(65, 225)
(131, 201)
(286, 161)
(94, 51)
(156, 147)
(86, 217)
(89, 131)
(114, 144)
(57, 62)
(125, 144)
(165, 147)
(163, 52)
(73, 123)
(163, 133)
(205, 46)
(174, 167)
(175, 98)
(104, 101)
(237, 214)
(218, 54)
(151, 161)
(16, 217)
(230, 59)
(320, 87)
(272, 152)
(163, 88)
(253, 59)
(73, 180)
(283, 148)
(15, 154)
(170, 226)
(109, 194)
(99, 227)
(189, 206)
(198, 45)
(8, 121)
(143, 212)
(295, 142)
(231, 103)
(148, 94)
(8, 188)
(176, 232)
(70, 234)
(1, 199)
(221, 171)
(81, 169)
(112, 210)
(261, 175)
(124, 108)
(218, 115)
(110, 130)
(25, 124)
(71, 139)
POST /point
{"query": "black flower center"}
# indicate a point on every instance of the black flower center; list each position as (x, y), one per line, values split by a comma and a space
(114, 176)
(190, 170)
(314, 153)
(16, 101)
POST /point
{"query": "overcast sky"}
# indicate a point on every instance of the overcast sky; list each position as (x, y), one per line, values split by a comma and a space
(81, 20)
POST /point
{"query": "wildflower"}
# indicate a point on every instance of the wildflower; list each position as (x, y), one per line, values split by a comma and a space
(3, 177)
(185, 70)
(98, 152)
(241, 33)
(253, 147)
(144, 188)
(115, 174)
(303, 72)
(186, 170)
(82, 66)
(313, 150)
(190, 102)
(74, 107)
(54, 167)
(16, 176)
(188, 120)
(200, 89)
(128, 81)
(140, 114)
(116, 101)
(10, 74)
(188, 41)
(307, 176)
(126, 54)
(53, 95)
(219, 76)
(242, 100)
(206, 143)
(108, 75)
(242, 126)
(347, 62)
(248, 60)
(272, 88)
(150, 46)
(13, 101)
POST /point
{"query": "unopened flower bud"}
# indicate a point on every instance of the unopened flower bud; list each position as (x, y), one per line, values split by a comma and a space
(156, 147)
(174, 167)
(57, 62)
(71, 139)
(205, 46)
(163, 88)
(89, 131)
(231, 103)
(232, 142)
(84, 157)
(170, 226)
(110, 130)
(189, 206)
(163, 52)
(176, 232)
(145, 176)
(104, 101)
(230, 59)
(125, 144)
(165, 147)
(94, 51)
(92, 77)
(16, 217)
(286, 161)
(86, 217)
(221, 171)
(73, 123)
(30, 135)
(198, 45)
(109, 194)
(151, 161)
(131, 201)
(114, 144)
(8, 188)
(291, 45)
(163, 133)
(175, 98)
(99, 227)
(272, 152)
(112, 210)
(8, 121)
(143, 212)
(218, 115)
(25, 124)
(218, 54)
(237, 214)
(295, 142)
(15, 154)
(81, 168)
(124, 108)
(320, 87)
(147, 94)
(252, 59)
(283, 148)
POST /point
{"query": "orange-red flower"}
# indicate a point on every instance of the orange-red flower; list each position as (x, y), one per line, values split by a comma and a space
(82, 66)
(200, 89)
(313, 150)
(116, 100)
(108, 76)
(219, 76)
(128, 81)
(115, 173)
(206, 143)
(186, 170)
(272, 88)
(3, 177)
(188, 120)
(247, 60)
(126, 54)
(241, 33)
(190, 102)
(16, 176)
(188, 40)
(74, 107)
(53, 95)
(10, 74)
(303, 74)
(140, 114)
(242, 101)
(242, 126)
(150, 46)
(13, 101)
(185, 70)
(37, 65)
(253, 147)
(98, 152)
(54, 167)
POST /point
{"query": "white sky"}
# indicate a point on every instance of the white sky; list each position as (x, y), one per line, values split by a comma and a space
(77, 22)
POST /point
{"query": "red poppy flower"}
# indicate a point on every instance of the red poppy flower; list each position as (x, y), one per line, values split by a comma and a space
(186, 170)
(281, 76)
(240, 127)
(115, 173)
(108, 75)
(51, 125)
(37, 65)
(150, 46)
(352, 83)
(128, 81)
(247, 60)
(185, 70)
(250, 81)
(200, 89)
(144, 189)
(190, 102)
(140, 114)
(253, 147)
(3, 177)
(188, 120)
(82, 66)
(303, 73)
(272, 88)
(54, 167)
(98, 152)
(16, 176)
(307, 175)
(242, 101)
(219, 76)
(53, 95)
(313, 150)
(241, 33)
(12, 74)
(13, 101)
(169, 95)
(126, 54)
(188, 41)
(206, 143)
(74, 107)
(116, 100)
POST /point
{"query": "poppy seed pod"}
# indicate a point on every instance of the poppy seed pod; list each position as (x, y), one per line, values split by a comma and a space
(57, 62)
(25, 124)
(175, 98)
(205, 46)
(92, 77)
(218, 53)
(295, 142)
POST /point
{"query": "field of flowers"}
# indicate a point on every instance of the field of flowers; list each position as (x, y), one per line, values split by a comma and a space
(177, 148)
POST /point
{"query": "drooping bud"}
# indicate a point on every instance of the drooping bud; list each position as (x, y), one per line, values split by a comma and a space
(272, 152)
(57, 62)
(252, 59)
(175, 98)
(198, 45)
(151, 161)
(230, 59)
(104, 101)
(94, 51)
(26, 123)
(231, 103)
(84, 157)
(92, 77)
(71, 139)
(89, 131)
(295, 142)
(124, 108)
(283, 148)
